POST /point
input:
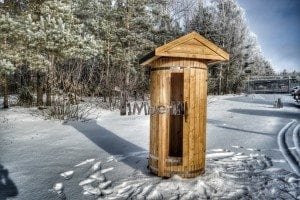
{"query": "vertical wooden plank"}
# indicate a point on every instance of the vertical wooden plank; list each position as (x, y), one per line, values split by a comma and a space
(197, 115)
(159, 124)
(166, 101)
(202, 116)
(192, 116)
(157, 93)
(201, 119)
(169, 117)
(162, 119)
(154, 116)
(150, 163)
(205, 112)
(186, 117)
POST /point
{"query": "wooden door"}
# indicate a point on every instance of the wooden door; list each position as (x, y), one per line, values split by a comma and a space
(194, 123)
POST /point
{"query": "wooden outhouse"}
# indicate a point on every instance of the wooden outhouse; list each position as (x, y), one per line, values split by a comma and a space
(178, 95)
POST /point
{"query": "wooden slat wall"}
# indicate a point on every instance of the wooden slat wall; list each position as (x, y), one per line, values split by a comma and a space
(204, 117)
(194, 127)
(186, 123)
(197, 116)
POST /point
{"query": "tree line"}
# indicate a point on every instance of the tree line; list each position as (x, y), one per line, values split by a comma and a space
(64, 50)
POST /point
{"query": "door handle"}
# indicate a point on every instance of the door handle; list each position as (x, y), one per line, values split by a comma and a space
(185, 111)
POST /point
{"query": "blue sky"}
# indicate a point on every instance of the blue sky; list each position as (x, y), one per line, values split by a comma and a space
(277, 26)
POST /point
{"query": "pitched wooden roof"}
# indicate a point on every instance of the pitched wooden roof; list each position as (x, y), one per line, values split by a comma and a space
(191, 45)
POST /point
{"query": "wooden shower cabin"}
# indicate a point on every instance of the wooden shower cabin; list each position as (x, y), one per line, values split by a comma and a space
(178, 95)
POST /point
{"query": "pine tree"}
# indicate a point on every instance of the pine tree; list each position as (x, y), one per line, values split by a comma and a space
(57, 35)
(224, 23)
(165, 28)
(134, 26)
(9, 50)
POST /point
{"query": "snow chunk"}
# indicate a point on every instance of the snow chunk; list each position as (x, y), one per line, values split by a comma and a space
(86, 181)
(88, 190)
(58, 187)
(96, 166)
(278, 161)
(67, 175)
(239, 193)
(274, 169)
(105, 185)
(107, 191)
(103, 171)
(124, 190)
(98, 176)
(293, 179)
(85, 162)
(110, 159)
(217, 150)
(154, 195)
(219, 155)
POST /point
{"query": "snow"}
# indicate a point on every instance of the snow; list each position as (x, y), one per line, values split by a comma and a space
(85, 162)
(291, 159)
(87, 181)
(58, 187)
(67, 175)
(106, 157)
(296, 138)
(103, 171)
(219, 155)
(96, 166)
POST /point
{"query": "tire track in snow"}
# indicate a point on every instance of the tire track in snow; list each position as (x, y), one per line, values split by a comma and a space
(285, 149)
(296, 138)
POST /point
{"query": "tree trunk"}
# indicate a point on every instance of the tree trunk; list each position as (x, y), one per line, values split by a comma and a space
(220, 81)
(226, 91)
(107, 65)
(123, 103)
(39, 89)
(48, 95)
(49, 77)
(5, 92)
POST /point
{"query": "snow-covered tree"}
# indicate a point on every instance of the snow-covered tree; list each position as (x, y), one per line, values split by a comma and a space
(9, 50)
(57, 35)
(224, 23)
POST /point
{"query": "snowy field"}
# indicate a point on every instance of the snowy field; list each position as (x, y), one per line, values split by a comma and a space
(253, 152)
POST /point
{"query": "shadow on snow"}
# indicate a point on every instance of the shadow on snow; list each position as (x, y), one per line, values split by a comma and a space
(133, 155)
(247, 131)
(7, 186)
(267, 113)
(269, 101)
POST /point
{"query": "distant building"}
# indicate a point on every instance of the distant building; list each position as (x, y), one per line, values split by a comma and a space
(271, 84)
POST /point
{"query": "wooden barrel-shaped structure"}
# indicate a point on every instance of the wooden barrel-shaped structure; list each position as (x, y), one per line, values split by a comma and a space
(178, 96)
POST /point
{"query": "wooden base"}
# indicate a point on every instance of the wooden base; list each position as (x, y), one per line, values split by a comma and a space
(174, 166)
(183, 174)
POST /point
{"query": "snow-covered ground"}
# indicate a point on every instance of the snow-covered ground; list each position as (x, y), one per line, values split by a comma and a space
(252, 153)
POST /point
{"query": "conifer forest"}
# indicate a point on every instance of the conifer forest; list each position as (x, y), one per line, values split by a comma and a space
(62, 50)
(149, 99)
